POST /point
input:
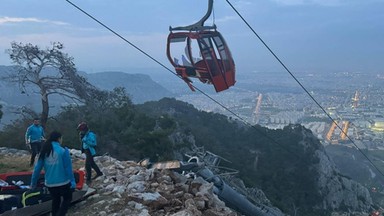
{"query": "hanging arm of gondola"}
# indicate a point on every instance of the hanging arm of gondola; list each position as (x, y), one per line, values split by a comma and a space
(199, 25)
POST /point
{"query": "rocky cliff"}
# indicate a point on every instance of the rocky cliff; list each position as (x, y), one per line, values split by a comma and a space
(338, 191)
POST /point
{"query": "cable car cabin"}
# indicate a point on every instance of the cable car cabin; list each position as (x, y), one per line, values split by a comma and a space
(203, 55)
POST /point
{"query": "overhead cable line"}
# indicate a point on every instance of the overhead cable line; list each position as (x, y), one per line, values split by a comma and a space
(121, 37)
(302, 86)
(202, 92)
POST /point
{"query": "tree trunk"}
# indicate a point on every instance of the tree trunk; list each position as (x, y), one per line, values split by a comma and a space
(45, 111)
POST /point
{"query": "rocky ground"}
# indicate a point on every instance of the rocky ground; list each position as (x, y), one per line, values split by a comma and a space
(130, 189)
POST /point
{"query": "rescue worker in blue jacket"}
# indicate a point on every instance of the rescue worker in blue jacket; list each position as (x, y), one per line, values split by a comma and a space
(88, 144)
(59, 177)
(34, 137)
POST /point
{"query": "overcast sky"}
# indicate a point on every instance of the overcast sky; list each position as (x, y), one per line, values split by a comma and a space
(308, 35)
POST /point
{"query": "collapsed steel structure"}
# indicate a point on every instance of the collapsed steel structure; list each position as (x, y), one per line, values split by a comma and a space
(202, 165)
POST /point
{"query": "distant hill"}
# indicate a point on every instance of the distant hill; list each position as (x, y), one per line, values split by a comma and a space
(140, 87)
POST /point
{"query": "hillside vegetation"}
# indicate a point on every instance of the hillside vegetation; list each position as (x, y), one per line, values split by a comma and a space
(280, 162)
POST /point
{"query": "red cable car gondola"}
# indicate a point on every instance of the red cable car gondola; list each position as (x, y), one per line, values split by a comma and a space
(204, 54)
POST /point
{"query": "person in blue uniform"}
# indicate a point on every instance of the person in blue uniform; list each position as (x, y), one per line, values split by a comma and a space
(59, 178)
(34, 137)
(88, 144)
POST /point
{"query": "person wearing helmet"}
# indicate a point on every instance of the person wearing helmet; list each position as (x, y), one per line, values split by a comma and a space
(88, 144)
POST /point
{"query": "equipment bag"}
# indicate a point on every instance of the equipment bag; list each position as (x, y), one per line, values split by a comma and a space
(9, 202)
(35, 196)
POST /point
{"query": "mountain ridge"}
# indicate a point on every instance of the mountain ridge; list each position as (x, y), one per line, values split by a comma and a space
(140, 87)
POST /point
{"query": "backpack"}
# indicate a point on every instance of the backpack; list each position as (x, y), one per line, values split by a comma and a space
(35, 196)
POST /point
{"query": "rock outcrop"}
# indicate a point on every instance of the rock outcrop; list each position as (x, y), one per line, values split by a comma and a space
(129, 189)
(338, 192)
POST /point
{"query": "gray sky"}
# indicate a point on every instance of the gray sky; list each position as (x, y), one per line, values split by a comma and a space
(308, 35)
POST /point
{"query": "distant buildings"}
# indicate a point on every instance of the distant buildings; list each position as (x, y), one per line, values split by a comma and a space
(354, 102)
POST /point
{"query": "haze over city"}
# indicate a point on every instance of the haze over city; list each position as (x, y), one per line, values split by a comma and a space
(308, 35)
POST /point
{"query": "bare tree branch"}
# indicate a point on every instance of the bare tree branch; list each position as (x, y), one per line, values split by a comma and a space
(51, 71)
